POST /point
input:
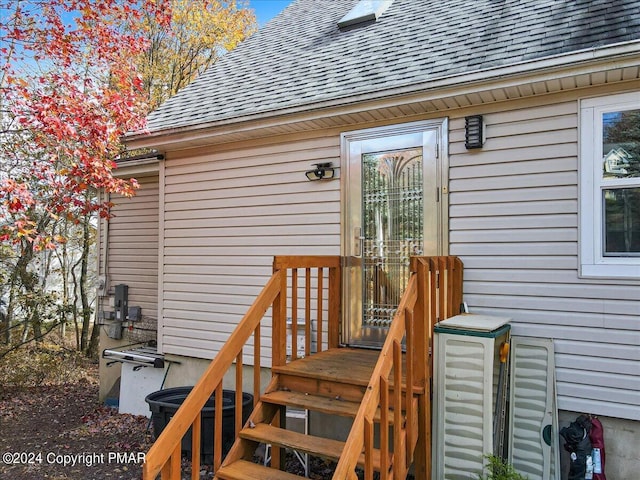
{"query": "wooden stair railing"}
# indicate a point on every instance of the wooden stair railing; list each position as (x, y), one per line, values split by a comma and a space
(307, 289)
(320, 279)
(434, 293)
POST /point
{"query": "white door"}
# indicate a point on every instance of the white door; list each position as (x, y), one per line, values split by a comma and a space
(533, 443)
(393, 201)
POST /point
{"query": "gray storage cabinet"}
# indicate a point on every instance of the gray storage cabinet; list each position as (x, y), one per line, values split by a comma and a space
(467, 373)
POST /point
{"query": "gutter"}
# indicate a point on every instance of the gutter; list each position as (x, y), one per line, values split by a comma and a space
(138, 165)
(614, 54)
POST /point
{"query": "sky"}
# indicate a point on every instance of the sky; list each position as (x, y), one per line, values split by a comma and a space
(267, 9)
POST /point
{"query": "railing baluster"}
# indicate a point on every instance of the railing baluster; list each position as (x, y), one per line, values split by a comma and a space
(410, 384)
(238, 399)
(307, 312)
(433, 291)
(294, 314)
(319, 309)
(176, 462)
(397, 410)
(384, 428)
(257, 362)
(171, 469)
(196, 443)
(448, 298)
(335, 298)
(368, 449)
(217, 428)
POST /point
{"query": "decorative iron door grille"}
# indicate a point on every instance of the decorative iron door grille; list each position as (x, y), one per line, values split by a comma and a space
(392, 227)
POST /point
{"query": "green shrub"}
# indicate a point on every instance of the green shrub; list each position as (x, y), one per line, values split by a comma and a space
(498, 469)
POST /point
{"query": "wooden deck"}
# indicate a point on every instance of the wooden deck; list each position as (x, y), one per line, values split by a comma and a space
(349, 366)
(345, 382)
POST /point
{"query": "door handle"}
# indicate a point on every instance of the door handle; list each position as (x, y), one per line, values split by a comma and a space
(546, 434)
(358, 239)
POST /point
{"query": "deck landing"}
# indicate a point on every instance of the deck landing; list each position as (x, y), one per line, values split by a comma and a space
(350, 366)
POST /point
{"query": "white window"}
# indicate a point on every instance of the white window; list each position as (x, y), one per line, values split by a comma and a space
(610, 186)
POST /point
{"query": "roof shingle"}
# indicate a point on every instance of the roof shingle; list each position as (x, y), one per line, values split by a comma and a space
(301, 57)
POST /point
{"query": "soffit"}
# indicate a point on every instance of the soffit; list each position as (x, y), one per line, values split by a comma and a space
(432, 99)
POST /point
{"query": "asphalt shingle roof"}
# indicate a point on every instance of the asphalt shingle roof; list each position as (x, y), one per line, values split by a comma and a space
(301, 57)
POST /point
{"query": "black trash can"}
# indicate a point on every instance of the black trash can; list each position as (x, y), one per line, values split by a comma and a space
(165, 403)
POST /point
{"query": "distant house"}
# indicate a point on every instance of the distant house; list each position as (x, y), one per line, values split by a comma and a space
(500, 105)
(618, 162)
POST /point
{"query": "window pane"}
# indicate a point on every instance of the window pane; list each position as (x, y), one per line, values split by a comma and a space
(622, 221)
(621, 144)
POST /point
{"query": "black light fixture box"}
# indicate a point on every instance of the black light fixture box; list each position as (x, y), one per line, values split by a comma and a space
(473, 131)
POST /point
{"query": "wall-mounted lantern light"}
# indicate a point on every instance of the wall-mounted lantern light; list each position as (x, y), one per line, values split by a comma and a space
(323, 171)
(473, 132)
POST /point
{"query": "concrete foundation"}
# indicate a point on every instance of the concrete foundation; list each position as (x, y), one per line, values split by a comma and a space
(109, 371)
(622, 447)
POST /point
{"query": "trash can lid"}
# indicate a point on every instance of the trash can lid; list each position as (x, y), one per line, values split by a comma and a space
(174, 397)
(474, 324)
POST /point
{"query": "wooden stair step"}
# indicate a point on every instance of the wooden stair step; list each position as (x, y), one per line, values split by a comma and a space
(245, 470)
(349, 367)
(315, 446)
(317, 403)
(342, 365)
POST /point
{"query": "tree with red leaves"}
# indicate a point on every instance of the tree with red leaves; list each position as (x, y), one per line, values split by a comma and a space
(71, 85)
(70, 91)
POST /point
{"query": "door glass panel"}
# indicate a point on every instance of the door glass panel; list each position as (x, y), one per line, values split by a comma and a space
(392, 229)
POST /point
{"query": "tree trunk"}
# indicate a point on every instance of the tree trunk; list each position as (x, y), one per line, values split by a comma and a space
(27, 281)
(74, 307)
(94, 342)
(5, 335)
(63, 260)
(88, 343)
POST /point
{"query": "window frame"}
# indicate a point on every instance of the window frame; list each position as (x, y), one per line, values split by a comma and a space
(593, 262)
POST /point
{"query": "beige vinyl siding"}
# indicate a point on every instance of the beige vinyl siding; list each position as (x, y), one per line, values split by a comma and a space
(133, 246)
(228, 211)
(514, 222)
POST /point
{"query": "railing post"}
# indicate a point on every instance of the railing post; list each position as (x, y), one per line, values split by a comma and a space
(422, 334)
(279, 325)
(335, 299)
(279, 349)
